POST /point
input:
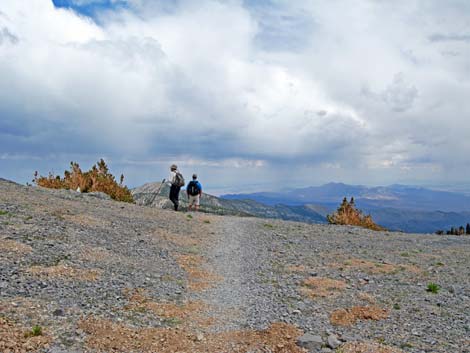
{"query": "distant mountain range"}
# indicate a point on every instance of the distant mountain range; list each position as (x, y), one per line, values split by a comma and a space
(394, 196)
(396, 207)
(146, 195)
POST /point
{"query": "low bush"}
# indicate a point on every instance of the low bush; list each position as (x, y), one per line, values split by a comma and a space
(348, 214)
(35, 331)
(97, 179)
(433, 288)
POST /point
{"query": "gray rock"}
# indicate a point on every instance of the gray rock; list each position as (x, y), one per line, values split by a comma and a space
(333, 341)
(58, 312)
(310, 341)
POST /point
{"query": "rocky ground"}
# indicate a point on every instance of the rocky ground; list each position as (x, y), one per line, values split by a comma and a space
(82, 273)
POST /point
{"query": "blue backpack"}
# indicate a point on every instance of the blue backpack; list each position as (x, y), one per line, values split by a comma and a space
(193, 188)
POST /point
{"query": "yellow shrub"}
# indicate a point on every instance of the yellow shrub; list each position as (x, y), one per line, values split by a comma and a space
(96, 179)
(348, 214)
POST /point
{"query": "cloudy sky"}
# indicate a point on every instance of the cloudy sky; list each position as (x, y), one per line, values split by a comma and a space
(252, 95)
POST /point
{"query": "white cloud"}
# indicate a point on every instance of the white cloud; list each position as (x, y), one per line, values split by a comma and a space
(324, 84)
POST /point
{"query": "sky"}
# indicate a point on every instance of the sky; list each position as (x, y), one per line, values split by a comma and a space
(250, 94)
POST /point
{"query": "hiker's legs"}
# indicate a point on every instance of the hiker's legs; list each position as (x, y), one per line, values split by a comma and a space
(193, 202)
(174, 196)
(196, 201)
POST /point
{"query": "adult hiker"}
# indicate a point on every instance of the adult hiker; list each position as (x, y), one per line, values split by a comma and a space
(194, 191)
(177, 181)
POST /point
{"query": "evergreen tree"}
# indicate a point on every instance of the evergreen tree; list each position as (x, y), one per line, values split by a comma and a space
(461, 230)
(452, 231)
(351, 203)
(468, 228)
(348, 214)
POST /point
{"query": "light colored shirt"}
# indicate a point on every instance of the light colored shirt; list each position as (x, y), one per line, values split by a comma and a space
(172, 178)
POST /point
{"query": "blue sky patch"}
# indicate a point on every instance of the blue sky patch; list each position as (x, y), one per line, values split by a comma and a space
(90, 7)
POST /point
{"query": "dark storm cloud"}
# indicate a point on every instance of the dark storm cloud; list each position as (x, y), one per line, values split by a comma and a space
(450, 38)
(7, 37)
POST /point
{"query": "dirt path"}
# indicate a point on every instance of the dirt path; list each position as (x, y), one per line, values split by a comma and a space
(244, 297)
(226, 257)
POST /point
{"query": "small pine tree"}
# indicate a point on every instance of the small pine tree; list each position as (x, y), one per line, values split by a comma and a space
(461, 230)
(468, 229)
(452, 231)
(348, 214)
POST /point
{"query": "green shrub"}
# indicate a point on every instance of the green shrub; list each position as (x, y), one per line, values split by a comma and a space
(406, 345)
(35, 331)
(433, 288)
(173, 321)
(3, 213)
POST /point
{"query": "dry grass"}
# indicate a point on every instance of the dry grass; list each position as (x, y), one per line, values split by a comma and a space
(106, 336)
(86, 220)
(322, 287)
(20, 307)
(11, 246)
(65, 272)
(180, 239)
(199, 278)
(186, 314)
(15, 339)
(366, 297)
(348, 317)
(297, 268)
(367, 347)
(369, 266)
(374, 268)
(96, 254)
(103, 256)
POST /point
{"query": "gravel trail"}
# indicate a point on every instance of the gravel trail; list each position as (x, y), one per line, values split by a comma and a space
(254, 291)
(236, 256)
(226, 257)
